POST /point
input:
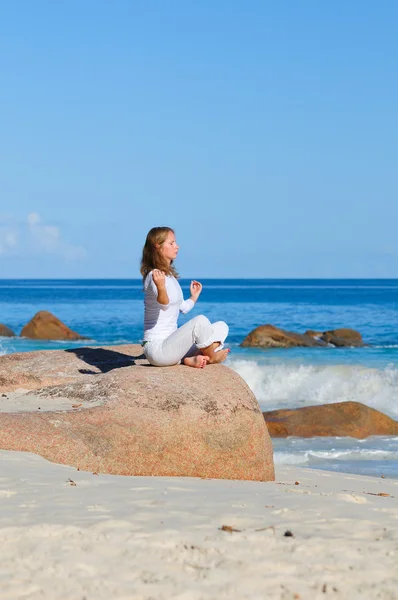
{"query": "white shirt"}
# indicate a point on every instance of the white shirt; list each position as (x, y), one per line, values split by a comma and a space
(161, 319)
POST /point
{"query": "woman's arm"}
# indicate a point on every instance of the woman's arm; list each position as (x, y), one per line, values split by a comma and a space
(159, 279)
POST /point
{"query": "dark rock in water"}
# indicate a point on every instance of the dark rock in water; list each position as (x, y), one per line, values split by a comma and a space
(46, 326)
(343, 338)
(314, 334)
(268, 336)
(107, 410)
(6, 331)
(351, 419)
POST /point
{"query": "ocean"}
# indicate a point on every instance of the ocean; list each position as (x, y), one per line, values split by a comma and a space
(111, 312)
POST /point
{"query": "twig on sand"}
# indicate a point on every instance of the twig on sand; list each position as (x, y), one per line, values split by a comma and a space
(229, 529)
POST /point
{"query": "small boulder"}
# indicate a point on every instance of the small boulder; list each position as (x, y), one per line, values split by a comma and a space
(269, 336)
(343, 337)
(6, 331)
(351, 419)
(46, 326)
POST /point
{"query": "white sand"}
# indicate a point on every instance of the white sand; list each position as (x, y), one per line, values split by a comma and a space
(22, 400)
(110, 537)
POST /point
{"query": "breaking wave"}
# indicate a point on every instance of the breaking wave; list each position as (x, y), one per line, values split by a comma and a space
(289, 386)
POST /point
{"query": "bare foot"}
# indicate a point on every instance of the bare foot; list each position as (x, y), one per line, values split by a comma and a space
(198, 362)
(219, 356)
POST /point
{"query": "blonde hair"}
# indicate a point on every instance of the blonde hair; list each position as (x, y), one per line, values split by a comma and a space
(151, 257)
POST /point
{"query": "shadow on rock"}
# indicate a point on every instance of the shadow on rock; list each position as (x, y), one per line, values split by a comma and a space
(104, 360)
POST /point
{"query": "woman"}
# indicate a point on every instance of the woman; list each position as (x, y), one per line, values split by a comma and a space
(198, 342)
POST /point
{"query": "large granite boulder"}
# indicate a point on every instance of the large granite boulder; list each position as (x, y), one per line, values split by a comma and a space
(107, 410)
(6, 331)
(351, 419)
(269, 336)
(46, 326)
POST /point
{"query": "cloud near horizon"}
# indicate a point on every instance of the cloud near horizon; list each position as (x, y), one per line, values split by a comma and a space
(33, 237)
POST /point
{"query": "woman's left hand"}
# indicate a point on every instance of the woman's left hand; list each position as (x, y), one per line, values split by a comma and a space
(195, 289)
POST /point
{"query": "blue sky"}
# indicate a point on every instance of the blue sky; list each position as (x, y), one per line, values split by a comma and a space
(265, 133)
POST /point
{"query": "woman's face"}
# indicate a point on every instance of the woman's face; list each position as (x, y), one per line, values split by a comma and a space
(169, 249)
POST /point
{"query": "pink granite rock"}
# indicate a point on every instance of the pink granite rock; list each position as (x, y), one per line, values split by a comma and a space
(347, 418)
(6, 331)
(131, 418)
(46, 326)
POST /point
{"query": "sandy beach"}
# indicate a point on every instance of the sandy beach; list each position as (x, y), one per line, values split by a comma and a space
(311, 534)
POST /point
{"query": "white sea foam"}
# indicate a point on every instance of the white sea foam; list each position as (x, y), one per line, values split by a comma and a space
(289, 385)
(385, 346)
(379, 453)
(294, 458)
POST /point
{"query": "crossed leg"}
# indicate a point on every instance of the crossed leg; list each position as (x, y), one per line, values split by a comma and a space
(213, 356)
(207, 356)
(188, 344)
(197, 362)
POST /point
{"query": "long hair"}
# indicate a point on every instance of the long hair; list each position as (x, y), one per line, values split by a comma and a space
(151, 257)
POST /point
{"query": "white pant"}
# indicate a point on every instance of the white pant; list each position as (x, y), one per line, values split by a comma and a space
(187, 340)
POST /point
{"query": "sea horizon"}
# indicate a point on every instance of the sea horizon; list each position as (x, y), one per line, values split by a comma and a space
(206, 278)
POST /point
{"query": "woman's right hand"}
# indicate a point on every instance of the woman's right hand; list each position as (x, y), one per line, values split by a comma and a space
(159, 279)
